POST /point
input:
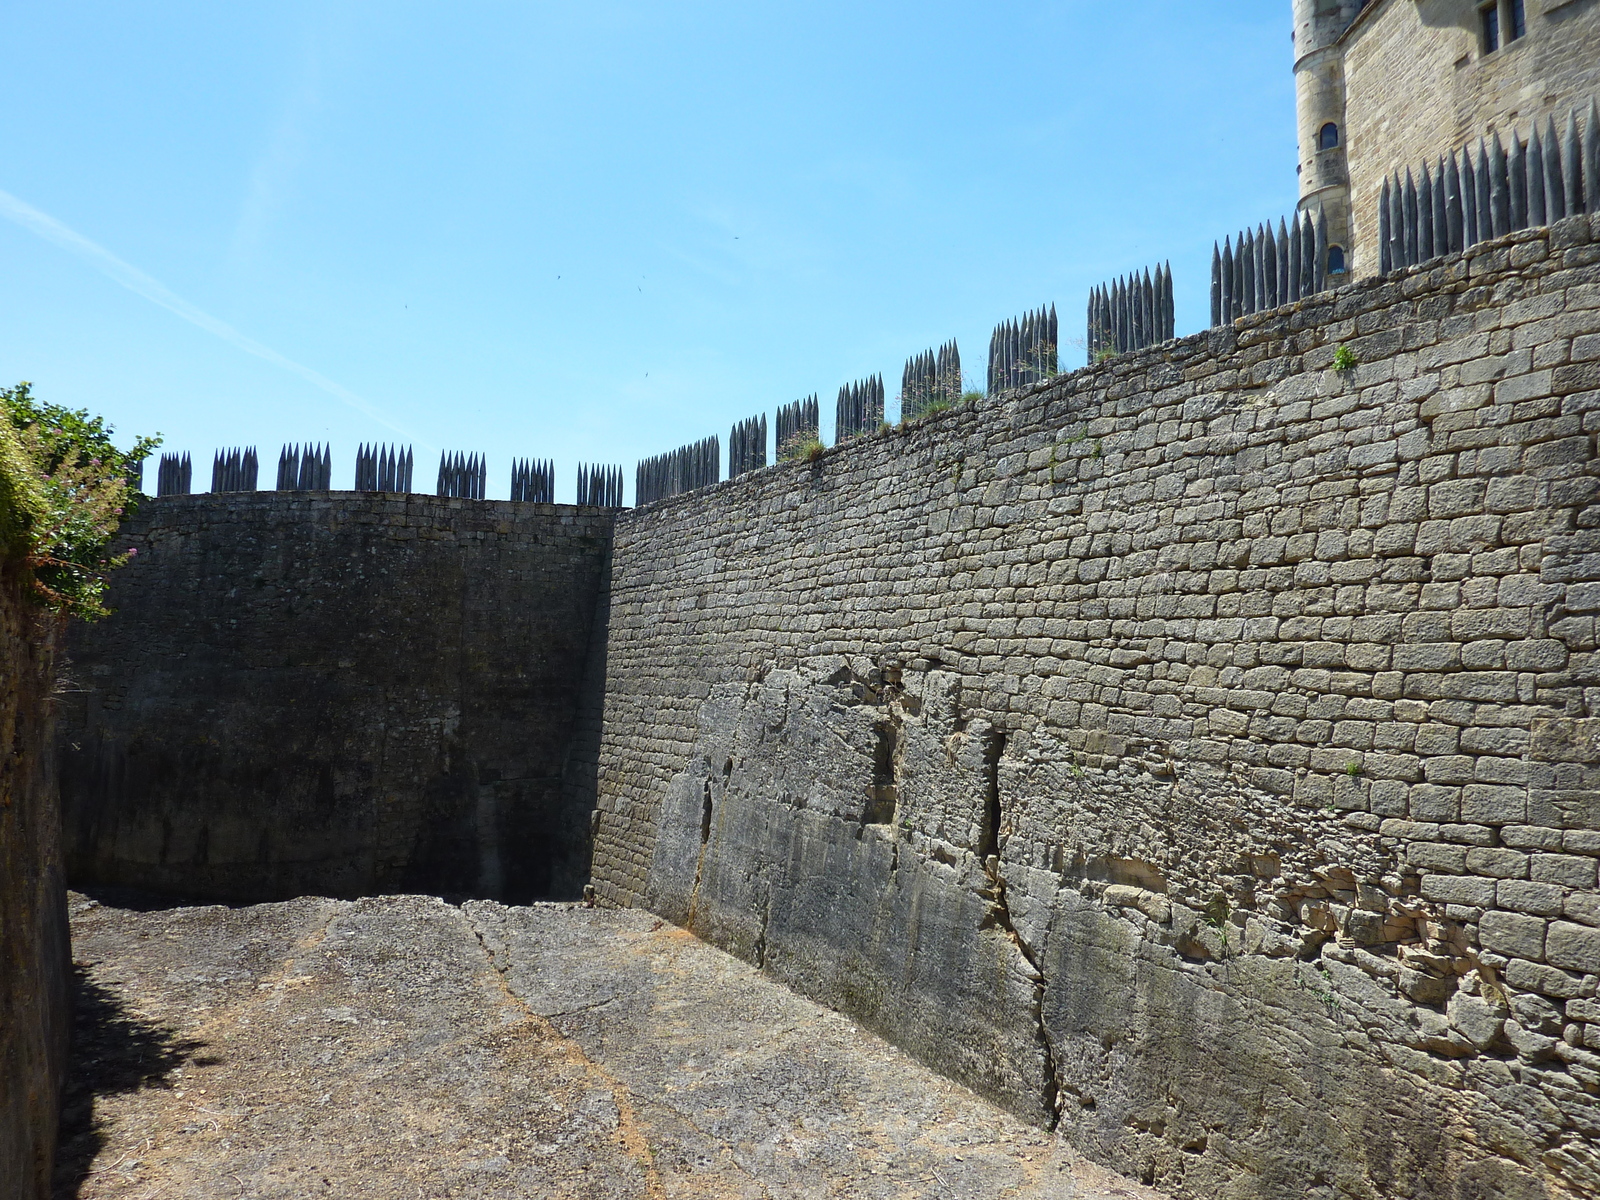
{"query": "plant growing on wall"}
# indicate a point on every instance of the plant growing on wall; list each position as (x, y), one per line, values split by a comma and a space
(807, 449)
(64, 488)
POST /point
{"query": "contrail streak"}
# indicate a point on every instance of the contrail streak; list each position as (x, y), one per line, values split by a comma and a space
(135, 280)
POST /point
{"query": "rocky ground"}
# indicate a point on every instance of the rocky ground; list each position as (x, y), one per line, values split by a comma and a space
(401, 1047)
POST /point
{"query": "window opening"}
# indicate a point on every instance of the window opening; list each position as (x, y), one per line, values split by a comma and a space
(1504, 21)
(1328, 138)
(1336, 260)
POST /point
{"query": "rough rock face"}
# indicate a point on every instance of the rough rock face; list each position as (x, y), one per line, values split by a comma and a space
(337, 694)
(34, 956)
(1197, 751)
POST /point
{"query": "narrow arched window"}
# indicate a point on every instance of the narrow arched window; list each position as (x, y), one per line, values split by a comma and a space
(1335, 260)
(1328, 138)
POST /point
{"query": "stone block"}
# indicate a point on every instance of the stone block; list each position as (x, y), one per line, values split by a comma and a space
(1567, 870)
(1494, 804)
(1531, 837)
(1546, 980)
(1573, 947)
(1479, 1022)
(1515, 935)
(1499, 862)
(1446, 769)
(1583, 907)
(1538, 899)
(1471, 890)
(1431, 802)
(1437, 856)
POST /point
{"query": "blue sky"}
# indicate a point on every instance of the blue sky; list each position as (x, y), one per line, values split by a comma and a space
(593, 231)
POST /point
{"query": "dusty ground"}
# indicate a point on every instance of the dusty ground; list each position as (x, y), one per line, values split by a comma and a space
(401, 1047)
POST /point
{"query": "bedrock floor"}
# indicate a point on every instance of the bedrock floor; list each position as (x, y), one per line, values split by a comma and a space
(404, 1047)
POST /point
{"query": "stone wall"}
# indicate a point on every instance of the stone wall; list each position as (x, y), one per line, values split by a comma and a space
(1200, 751)
(1418, 86)
(34, 954)
(338, 694)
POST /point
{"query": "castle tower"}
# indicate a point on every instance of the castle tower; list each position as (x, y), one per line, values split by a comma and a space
(1320, 109)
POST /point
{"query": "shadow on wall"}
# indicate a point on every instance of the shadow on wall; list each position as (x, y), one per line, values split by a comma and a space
(341, 696)
(114, 1051)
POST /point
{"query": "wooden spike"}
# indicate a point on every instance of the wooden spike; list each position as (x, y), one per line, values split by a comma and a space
(1591, 159)
(1408, 218)
(1269, 262)
(1250, 260)
(1517, 184)
(1484, 189)
(1555, 188)
(1225, 316)
(1385, 231)
(1441, 213)
(1500, 188)
(1452, 206)
(1216, 285)
(1425, 215)
(1239, 264)
(1296, 280)
(1469, 201)
(1538, 211)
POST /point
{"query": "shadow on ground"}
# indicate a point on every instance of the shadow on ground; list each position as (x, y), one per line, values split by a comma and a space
(145, 901)
(113, 1051)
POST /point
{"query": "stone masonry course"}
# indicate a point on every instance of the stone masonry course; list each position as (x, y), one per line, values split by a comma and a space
(1199, 752)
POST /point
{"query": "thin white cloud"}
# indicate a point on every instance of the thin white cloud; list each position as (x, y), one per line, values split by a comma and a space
(272, 176)
(136, 281)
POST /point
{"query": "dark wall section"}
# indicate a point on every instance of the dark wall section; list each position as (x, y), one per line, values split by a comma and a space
(340, 694)
(34, 955)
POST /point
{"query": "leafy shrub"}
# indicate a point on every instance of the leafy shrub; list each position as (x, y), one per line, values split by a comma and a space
(64, 488)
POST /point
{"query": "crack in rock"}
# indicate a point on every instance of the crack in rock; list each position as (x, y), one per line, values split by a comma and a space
(1000, 911)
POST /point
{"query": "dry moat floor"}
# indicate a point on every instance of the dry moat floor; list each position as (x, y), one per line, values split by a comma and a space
(402, 1047)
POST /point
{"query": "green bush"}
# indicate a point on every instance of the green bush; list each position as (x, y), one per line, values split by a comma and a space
(64, 488)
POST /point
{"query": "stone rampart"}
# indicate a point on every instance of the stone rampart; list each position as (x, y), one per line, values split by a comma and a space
(337, 693)
(1200, 750)
(34, 955)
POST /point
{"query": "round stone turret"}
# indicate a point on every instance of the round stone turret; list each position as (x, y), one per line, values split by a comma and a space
(1320, 107)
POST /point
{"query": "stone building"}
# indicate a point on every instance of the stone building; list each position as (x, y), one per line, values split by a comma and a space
(1383, 85)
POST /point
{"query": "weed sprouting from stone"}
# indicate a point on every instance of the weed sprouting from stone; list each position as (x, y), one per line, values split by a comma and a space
(1324, 994)
(1217, 914)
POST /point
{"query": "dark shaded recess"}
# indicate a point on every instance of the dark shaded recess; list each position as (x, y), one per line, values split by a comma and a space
(114, 1051)
(316, 697)
(994, 745)
(580, 768)
(884, 794)
(35, 953)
